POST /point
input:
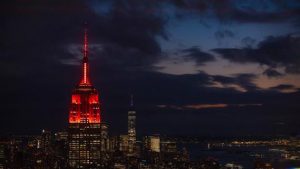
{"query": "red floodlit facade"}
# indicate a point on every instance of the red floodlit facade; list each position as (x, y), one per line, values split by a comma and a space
(84, 130)
(85, 106)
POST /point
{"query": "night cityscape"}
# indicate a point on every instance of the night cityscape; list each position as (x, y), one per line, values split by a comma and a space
(150, 84)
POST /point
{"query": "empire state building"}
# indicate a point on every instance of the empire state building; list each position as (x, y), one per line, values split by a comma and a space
(84, 130)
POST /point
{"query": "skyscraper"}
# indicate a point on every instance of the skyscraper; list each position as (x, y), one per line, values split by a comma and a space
(131, 128)
(84, 130)
(104, 137)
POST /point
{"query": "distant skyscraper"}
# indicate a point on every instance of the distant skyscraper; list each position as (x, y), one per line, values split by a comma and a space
(45, 140)
(84, 120)
(124, 143)
(152, 143)
(131, 128)
(168, 146)
(104, 137)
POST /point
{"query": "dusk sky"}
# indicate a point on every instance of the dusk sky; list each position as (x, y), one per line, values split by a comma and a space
(195, 67)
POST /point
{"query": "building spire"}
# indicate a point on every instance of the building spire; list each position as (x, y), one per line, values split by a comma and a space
(85, 45)
(131, 100)
(85, 81)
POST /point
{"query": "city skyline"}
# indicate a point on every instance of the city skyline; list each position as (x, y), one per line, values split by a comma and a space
(195, 68)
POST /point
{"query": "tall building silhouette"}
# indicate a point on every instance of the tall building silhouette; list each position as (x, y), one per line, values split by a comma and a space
(84, 132)
(131, 128)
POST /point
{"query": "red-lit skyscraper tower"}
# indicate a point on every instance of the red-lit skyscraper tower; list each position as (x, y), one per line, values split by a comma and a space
(84, 120)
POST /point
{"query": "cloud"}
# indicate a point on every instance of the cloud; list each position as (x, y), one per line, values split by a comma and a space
(269, 11)
(248, 42)
(43, 32)
(221, 34)
(196, 54)
(284, 88)
(243, 82)
(255, 16)
(281, 51)
(272, 73)
(194, 106)
(205, 106)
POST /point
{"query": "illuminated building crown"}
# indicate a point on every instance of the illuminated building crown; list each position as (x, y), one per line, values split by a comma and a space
(85, 106)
